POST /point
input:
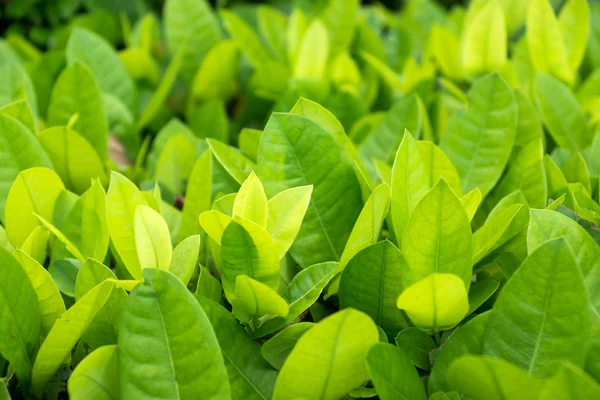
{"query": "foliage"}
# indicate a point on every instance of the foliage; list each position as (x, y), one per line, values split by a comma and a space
(306, 199)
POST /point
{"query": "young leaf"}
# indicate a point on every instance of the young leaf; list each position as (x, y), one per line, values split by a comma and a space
(34, 191)
(438, 238)
(393, 374)
(197, 196)
(96, 377)
(340, 17)
(313, 53)
(408, 185)
(19, 330)
(372, 282)
(253, 300)
(483, 44)
(487, 238)
(65, 333)
(542, 314)
(185, 258)
(437, 165)
(277, 349)
(122, 200)
(544, 33)
(250, 376)
(479, 140)
(152, 240)
(247, 249)
(471, 202)
(301, 293)
(251, 201)
(36, 244)
(50, 302)
(334, 350)
(104, 328)
(286, 211)
(574, 29)
(165, 330)
(234, 163)
(437, 302)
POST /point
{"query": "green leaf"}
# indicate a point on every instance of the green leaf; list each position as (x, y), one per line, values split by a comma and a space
(313, 53)
(301, 293)
(438, 238)
(570, 383)
(393, 374)
(525, 173)
(85, 225)
(234, 163)
(19, 150)
(74, 159)
(437, 302)
(50, 302)
(21, 111)
(480, 292)
(96, 376)
(340, 17)
(487, 378)
(296, 151)
(408, 184)
(217, 76)
(249, 42)
(197, 196)
(366, 230)
(253, 300)
(19, 330)
(529, 125)
(36, 244)
(122, 200)
(152, 240)
(159, 96)
(70, 247)
(34, 191)
(65, 333)
(372, 282)
(175, 163)
(542, 314)
(561, 113)
(437, 165)
(479, 140)
(104, 328)
(483, 42)
(250, 376)
(471, 202)
(99, 56)
(547, 49)
(277, 349)
(208, 286)
(192, 26)
(251, 201)
(334, 351)
(247, 249)
(248, 142)
(185, 258)
(77, 91)
(467, 339)
(383, 142)
(545, 225)
(286, 210)
(576, 170)
(165, 330)
(417, 345)
(488, 238)
(574, 29)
